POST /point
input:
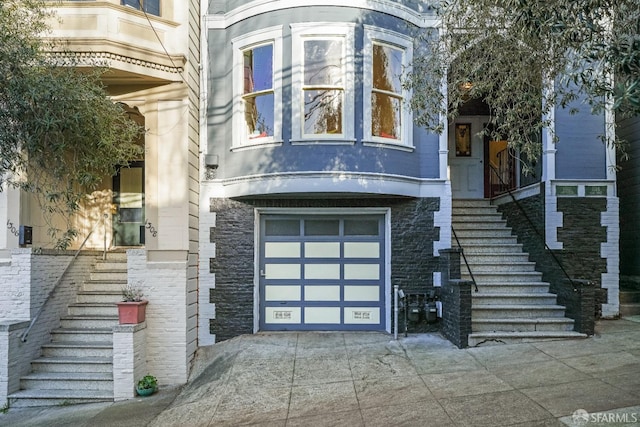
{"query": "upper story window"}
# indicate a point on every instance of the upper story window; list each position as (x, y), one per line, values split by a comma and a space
(149, 6)
(322, 82)
(257, 88)
(386, 115)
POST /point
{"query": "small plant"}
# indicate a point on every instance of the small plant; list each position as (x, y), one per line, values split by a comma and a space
(148, 382)
(132, 293)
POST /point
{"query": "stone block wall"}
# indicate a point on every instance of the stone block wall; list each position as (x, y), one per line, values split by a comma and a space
(413, 236)
(581, 235)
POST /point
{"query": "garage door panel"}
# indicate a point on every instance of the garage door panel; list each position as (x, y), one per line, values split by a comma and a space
(282, 293)
(362, 315)
(322, 293)
(284, 315)
(322, 273)
(362, 293)
(282, 271)
(362, 271)
(322, 315)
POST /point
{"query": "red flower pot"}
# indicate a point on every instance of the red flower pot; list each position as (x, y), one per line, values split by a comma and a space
(132, 312)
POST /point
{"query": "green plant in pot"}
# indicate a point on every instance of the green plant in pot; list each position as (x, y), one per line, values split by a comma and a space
(147, 385)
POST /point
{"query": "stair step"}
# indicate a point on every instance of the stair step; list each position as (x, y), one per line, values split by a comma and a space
(629, 296)
(32, 398)
(511, 311)
(101, 309)
(509, 266)
(468, 233)
(465, 242)
(104, 285)
(68, 381)
(495, 338)
(108, 275)
(473, 217)
(477, 223)
(115, 256)
(481, 299)
(503, 276)
(484, 248)
(79, 322)
(523, 324)
(78, 349)
(111, 265)
(105, 296)
(104, 335)
(513, 287)
(73, 364)
(503, 258)
(629, 309)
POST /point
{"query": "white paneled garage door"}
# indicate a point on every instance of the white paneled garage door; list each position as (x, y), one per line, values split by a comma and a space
(322, 272)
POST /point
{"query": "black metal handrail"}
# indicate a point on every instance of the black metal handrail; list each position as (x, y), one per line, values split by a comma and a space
(464, 258)
(535, 229)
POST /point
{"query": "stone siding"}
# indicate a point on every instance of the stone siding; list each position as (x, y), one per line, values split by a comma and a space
(413, 236)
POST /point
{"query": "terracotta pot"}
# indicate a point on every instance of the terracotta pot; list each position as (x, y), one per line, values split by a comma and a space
(132, 312)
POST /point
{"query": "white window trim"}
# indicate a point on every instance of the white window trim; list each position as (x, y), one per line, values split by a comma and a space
(322, 29)
(271, 35)
(405, 43)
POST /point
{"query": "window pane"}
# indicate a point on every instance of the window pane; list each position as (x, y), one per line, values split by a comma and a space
(361, 227)
(258, 69)
(258, 114)
(323, 62)
(323, 111)
(385, 116)
(321, 227)
(387, 68)
(152, 7)
(285, 227)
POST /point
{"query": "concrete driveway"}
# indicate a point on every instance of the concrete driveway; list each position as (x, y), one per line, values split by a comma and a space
(368, 379)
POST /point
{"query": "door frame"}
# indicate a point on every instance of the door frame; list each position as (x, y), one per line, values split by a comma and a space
(116, 201)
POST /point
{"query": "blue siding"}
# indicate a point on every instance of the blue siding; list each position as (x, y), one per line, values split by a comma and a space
(422, 163)
(581, 151)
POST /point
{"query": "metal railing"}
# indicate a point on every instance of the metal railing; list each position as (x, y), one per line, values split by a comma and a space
(534, 228)
(55, 286)
(464, 258)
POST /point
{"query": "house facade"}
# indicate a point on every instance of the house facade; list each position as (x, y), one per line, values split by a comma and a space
(285, 187)
(319, 194)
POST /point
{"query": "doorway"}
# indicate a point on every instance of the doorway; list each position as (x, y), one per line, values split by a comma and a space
(128, 199)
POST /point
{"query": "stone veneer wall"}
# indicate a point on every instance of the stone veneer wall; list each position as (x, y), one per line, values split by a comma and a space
(412, 261)
(581, 235)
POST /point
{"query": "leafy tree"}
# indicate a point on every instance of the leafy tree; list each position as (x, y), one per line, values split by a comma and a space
(523, 57)
(60, 135)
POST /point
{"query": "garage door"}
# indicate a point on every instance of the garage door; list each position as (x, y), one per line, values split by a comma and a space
(322, 273)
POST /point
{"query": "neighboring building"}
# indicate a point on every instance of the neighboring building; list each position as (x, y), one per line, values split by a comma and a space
(320, 194)
(152, 50)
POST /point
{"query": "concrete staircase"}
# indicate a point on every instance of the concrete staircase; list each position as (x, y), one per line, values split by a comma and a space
(77, 365)
(512, 304)
(629, 296)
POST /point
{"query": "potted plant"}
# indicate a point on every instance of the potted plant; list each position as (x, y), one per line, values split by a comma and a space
(147, 385)
(132, 308)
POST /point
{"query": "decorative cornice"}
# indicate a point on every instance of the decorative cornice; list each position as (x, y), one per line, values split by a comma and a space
(90, 58)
